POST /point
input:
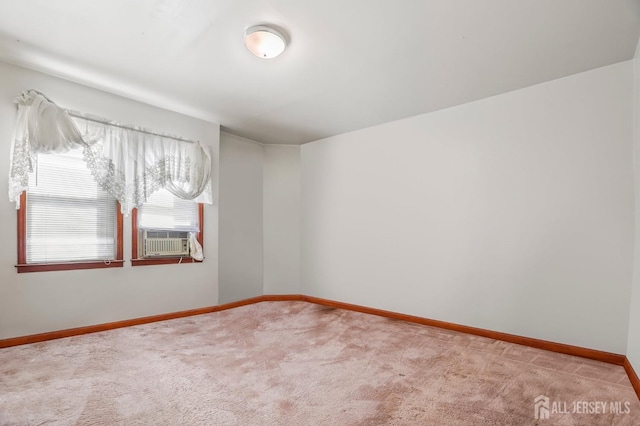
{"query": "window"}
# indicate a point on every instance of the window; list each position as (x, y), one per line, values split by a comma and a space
(161, 229)
(66, 221)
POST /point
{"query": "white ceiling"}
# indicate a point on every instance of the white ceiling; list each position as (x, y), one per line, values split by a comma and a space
(350, 64)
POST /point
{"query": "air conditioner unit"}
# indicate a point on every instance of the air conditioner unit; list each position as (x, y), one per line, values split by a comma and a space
(159, 243)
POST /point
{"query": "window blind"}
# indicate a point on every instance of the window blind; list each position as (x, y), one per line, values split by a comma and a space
(69, 217)
(163, 210)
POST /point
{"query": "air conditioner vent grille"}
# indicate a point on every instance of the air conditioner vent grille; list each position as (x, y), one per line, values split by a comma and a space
(165, 243)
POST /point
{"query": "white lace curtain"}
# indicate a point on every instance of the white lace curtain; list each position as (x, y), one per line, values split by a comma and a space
(129, 163)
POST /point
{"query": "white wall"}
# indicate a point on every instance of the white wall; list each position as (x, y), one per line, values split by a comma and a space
(281, 208)
(45, 301)
(513, 213)
(241, 164)
(259, 219)
(633, 349)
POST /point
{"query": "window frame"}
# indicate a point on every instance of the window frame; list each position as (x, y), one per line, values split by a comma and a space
(23, 266)
(135, 239)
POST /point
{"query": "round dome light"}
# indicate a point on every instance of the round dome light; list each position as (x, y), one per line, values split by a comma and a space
(265, 42)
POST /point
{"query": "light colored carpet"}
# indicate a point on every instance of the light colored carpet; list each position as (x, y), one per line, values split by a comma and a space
(297, 363)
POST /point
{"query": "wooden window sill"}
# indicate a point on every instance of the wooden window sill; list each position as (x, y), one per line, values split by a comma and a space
(46, 267)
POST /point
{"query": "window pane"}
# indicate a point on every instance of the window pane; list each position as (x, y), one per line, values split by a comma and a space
(164, 210)
(69, 217)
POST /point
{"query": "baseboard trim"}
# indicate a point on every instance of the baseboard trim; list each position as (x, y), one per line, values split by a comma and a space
(607, 357)
(633, 376)
(70, 332)
(597, 355)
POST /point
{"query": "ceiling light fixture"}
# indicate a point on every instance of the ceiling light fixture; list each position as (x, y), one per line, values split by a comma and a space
(264, 41)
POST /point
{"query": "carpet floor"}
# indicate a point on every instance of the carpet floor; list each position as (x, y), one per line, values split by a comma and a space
(297, 363)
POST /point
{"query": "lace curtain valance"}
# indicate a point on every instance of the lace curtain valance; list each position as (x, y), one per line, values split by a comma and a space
(129, 163)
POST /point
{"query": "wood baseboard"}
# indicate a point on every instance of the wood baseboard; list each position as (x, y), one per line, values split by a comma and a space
(607, 357)
(41, 337)
(633, 376)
